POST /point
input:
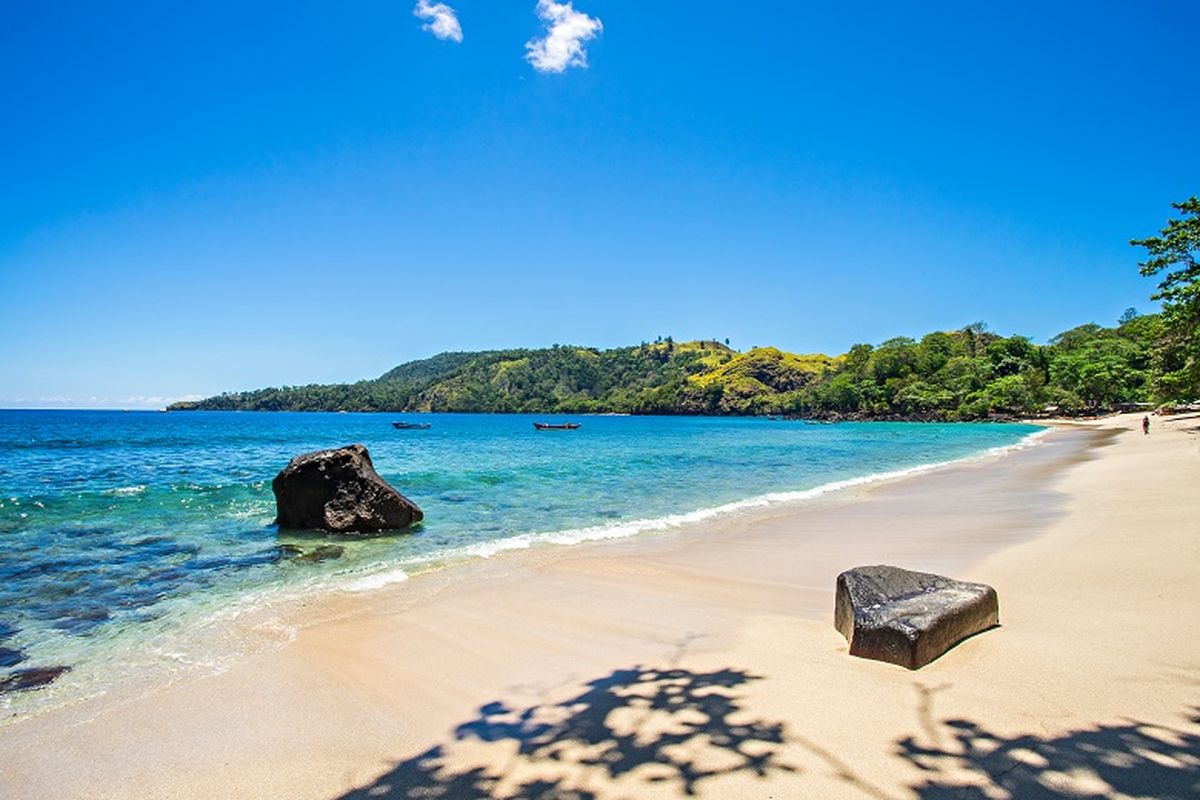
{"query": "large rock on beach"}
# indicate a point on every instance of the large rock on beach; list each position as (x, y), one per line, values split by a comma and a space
(339, 490)
(909, 618)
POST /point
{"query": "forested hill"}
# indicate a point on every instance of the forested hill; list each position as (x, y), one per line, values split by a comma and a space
(963, 374)
(663, 377)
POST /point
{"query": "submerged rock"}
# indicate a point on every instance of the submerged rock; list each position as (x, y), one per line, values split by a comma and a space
(909, 618)
(326, 552)
(10, 657)
(339, 490)
(296, 553)
(79, 619)
(31, 678)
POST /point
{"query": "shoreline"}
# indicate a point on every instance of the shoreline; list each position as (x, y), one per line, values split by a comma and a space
(684, 521)
(380, 676)
(192, 653)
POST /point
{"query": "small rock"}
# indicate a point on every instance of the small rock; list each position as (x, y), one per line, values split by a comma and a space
(33, 678)
(339, 491)
(909, 618)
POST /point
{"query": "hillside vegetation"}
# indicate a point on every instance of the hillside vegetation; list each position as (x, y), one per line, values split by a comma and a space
(969, 373)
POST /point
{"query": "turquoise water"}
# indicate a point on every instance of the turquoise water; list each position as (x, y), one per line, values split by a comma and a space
(111, 522)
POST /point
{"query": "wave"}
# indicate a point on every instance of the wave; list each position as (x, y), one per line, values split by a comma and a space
(377, 580)
(124, 491)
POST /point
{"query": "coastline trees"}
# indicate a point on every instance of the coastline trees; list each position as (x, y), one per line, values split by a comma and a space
(1175, 253)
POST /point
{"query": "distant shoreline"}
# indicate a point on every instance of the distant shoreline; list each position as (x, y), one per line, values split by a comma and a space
(823, 419)
(827, 418)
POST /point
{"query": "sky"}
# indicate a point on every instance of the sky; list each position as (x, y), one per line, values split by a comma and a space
(200, 197)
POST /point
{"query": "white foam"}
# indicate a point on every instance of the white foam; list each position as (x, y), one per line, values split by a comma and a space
(285, 634)
(376, 581)
(126, 490)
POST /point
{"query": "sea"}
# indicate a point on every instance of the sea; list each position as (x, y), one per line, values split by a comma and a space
(121, 532)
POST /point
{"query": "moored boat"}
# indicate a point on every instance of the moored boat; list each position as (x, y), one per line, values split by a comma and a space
(411, 426)
(561, 426)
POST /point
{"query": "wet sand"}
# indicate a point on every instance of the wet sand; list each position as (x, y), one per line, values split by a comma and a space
(704, 661)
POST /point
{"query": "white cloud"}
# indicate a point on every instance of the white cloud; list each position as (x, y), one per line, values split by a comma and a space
(566, 31)
(440, 20)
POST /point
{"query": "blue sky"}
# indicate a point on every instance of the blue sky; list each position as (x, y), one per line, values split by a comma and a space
(218, 196)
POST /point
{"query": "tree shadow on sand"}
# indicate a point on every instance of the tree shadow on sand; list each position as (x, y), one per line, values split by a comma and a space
(651, 725)
(1133, 759)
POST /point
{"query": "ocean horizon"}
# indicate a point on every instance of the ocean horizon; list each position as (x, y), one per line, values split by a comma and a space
(121, 528)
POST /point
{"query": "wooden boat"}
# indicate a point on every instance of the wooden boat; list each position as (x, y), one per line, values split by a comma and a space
(564, 426)
(411, 426)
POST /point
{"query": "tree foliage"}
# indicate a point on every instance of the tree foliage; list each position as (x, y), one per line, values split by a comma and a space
(1174, 254)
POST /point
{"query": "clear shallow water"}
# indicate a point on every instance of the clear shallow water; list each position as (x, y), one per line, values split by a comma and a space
(113, 523)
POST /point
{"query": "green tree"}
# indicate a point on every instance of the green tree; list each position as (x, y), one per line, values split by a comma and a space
(1011, 393)
(1173, 254)
(841, 393)
(857, 360)
(1101, 372)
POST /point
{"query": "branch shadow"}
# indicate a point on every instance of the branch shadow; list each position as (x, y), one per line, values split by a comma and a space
(1131, 759)
(640, 724)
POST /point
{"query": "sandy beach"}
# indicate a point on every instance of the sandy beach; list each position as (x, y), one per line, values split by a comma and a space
(703, 662)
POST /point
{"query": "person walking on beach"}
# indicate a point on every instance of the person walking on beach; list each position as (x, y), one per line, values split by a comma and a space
(1146, 426)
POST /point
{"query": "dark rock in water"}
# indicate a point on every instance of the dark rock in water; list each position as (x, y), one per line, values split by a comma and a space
(141, 597)
(222, 563)
(159, 547)
(32, 678)
(339, 491)
(909, 618)
(78, 620)
(326, 552)
(10, 657)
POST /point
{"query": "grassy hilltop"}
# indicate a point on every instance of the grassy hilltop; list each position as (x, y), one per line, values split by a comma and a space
(963, 374)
